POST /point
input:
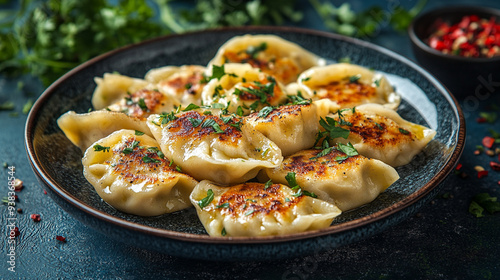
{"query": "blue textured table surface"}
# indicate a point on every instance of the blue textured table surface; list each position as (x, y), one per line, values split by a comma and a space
(443, 241)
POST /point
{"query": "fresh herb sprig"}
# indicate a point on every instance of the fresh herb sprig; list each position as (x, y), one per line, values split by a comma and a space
(367, 23)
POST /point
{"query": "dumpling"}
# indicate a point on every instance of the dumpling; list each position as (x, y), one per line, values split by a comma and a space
(111, 88)
(143, 103)
(84, 129)
(347, 182)
(130, 173)
(243, 87)
(185, 83)
(255, 209)
(273, 55)
(220, 149)
(380, 133)
(291, 127)
(348, 85)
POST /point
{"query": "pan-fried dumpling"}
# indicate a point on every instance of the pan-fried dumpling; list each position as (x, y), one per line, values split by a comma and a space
(111, 88)
(243, 87)
(347, 182)
(348, 85)
(143, 103)
(255, 209)
(85, 129)
(273, 55)
(291, 127)
(380, 133)
(215, 148)
(130, 173)
(185, 83)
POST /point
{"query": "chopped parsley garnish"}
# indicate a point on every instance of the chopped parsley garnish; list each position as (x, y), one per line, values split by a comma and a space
(167, 117)
(292, 182)
(99, 148)
(329, 124)
(305, 79)
(403, 131)
(147, 159)
(265, 111)
(206, 200)
(223, 232)
(323, 153)
(224, 205)
(377, 82)
(348, 149)
(178, 168)
(298, 99)
(139, 133)
(254, 51)
(379, 126)
(157, 151)
(130, 149)
(249, 212)
(268, 184)
(188, 86)
(354, 79)
(195, 122)
(481, 202)
(239, 111)
(251, 200)
(211, 123)
(190, 107)
(217, 73)
(142, 104)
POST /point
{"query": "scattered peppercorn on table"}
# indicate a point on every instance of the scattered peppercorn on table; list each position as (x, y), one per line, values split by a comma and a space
(456, 235)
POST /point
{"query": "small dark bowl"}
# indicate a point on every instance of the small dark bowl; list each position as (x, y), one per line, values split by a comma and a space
(463, 76)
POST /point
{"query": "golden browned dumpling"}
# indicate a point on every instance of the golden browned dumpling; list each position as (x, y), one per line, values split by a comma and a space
(212, 147)
(380, 133)
(255, 209)
(273, 55)
(84, 129)
(185, 83)
(129, 172)
(347, 85)
(346, 181)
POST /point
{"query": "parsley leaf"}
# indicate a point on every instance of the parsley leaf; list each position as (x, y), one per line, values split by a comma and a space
(139, 133)
(99, 148)
(147, 159)
(483, 201)
(190, 107)
(206, 200)
(268, 184)
(195, 122)
(348, 149)
(265, 111)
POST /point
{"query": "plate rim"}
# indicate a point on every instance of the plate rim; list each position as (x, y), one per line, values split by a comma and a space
(196, 238)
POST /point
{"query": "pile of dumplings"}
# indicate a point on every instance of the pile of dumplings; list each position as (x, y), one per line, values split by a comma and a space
(265, 140)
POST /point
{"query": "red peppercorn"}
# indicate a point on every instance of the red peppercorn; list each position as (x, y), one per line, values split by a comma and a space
(16, 232)
(481, 120)
(495, 165)
(482, 174)
(36, 217)
(60, 238)
(488, 142)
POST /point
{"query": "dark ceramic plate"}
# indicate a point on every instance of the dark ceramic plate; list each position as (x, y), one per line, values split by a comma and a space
(57, 163)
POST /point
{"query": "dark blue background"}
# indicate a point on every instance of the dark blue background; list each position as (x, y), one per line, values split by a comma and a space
(443, 241)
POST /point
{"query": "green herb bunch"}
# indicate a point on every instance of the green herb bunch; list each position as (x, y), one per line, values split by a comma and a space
(48, 38)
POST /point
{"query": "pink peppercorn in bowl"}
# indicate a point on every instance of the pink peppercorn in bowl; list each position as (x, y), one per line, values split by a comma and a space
(459, 45)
